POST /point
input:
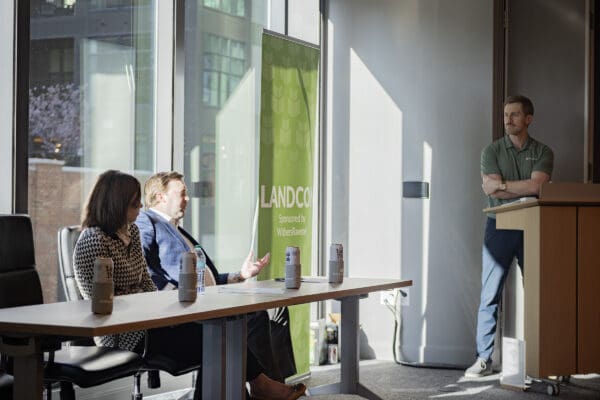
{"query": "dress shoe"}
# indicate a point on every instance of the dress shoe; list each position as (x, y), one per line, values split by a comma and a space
(297, 391)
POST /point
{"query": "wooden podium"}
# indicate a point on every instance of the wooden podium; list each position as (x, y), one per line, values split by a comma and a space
(561, 277)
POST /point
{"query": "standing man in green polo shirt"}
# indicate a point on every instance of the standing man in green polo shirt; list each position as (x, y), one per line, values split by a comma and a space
(511, 167)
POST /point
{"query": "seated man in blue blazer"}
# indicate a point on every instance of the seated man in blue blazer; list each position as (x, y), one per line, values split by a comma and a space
(164, 241)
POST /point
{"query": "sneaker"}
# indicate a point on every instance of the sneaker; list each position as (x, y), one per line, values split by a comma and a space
(479, 369)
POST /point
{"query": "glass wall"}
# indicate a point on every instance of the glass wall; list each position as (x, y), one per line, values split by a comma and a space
(222, 106)
(91, 108)
(303, 20)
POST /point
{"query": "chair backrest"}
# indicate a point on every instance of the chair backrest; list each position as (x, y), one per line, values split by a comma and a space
(19, 281)
(67, 238)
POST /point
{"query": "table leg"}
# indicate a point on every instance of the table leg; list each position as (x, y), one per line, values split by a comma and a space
(28, 367)
(213, 367)
(349, 352)
(349, 345)
(224, 358)
(29, 377)
(236, 358)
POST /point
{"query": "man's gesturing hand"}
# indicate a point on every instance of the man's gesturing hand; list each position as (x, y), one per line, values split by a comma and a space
(251, 268)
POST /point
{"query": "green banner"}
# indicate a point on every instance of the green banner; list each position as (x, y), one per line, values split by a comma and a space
(287, 131)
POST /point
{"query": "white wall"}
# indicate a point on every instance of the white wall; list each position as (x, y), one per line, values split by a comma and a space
(6, 104)
(410, 99)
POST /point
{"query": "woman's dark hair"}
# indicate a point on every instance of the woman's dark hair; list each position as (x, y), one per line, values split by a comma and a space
(109, 201)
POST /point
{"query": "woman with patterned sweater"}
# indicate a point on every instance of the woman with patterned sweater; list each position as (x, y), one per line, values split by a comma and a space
(109, 231)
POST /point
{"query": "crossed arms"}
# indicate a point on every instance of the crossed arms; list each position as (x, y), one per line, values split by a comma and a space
(493, 185)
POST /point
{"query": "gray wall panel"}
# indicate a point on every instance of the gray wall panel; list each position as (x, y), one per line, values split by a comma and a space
(546, 62)
(429, 62)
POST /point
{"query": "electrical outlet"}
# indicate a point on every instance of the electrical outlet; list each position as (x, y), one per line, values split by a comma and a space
(404, 297)
(388, 297)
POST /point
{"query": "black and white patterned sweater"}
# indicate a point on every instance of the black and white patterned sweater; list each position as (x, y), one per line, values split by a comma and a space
(130, 273)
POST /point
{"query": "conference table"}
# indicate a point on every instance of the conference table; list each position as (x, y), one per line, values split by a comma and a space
(222, 311)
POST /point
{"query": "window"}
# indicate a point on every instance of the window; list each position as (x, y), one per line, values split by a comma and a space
(221, 116)
(51, 8)
(104, 4)
(233, 7)
(303, 20)
(224, 66)
(91, 99)
(93, 85)
(221, 120)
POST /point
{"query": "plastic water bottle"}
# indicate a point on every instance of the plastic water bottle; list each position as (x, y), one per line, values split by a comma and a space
(200, 267)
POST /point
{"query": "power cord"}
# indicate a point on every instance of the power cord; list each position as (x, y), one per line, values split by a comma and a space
(396, 311)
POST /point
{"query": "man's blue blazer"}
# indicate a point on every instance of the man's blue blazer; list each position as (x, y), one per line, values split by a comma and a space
(163, 246)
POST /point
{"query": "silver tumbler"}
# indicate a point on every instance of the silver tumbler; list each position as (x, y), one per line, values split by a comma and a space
(292, 267)
(188, 278)
(336, 263)
(103, 287)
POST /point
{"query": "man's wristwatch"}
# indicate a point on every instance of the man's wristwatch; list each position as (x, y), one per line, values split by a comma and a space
(237, 277)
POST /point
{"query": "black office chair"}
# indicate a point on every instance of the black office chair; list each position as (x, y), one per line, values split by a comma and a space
(84, 366)
(69, 291)
(67, 238)
(6, 385)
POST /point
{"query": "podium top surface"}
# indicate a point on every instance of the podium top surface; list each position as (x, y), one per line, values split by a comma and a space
(555, 194)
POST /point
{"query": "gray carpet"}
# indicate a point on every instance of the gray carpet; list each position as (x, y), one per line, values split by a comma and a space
(392, 381)
(385, 378)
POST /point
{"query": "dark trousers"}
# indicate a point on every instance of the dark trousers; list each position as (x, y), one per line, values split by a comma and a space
(260, 345)
(179, 348)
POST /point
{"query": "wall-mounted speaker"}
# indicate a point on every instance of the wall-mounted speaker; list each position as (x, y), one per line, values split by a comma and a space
(415, 190)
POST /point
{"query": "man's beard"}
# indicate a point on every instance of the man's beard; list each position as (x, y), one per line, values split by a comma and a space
(512, 130)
